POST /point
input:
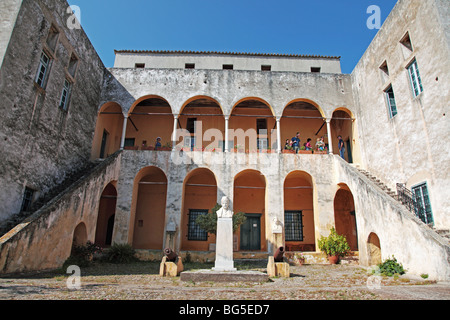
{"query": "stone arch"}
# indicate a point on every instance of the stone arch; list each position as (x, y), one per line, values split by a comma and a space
(149, 117)
(342, 124)
(298, 199)
(345, 215)
(373, 249)
(199, 197)
(149, 209)
(80, 236)
(252, 125)
(106, 215)
(249, 196)
(108, 130)
(306, 117)
(205, 114)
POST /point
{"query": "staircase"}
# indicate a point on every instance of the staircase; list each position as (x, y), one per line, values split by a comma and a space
(69, 180)
(405, 197)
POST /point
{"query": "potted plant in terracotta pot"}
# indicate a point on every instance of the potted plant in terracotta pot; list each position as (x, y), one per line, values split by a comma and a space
(334, 246)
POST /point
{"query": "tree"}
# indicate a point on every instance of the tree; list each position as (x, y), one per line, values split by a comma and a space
(208, 222)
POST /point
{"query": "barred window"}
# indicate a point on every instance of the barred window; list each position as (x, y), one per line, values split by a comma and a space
(194, 231)
(293, 225)
(27, 199)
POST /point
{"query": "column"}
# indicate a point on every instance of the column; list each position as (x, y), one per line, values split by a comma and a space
(330, 144)
(278, 136)
(227, 147)
(124, 131)
(174, 132)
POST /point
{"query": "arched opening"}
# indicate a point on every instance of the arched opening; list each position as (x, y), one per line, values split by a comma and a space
(249, 196)
(149, 118)
(373, 249)
(199, 115)
(306, 118)
(199, 197)
(342, 125)
(105, 217)
(299, 212)
(108, 130)
(252, 126)
(150, 209)
(79, 235)
(345, 216)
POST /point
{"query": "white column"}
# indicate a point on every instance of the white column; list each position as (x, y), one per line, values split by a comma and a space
(227, 147)
(174, 132)
(330, 144)
(124, 131)
(278, 136)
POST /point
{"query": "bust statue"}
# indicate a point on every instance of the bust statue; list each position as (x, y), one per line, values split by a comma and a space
(225, 211)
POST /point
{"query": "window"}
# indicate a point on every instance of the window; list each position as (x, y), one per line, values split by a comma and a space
(52, 38)
(65, 95)
(27, 199)
(139, 65)
(73, 63)
(422, 203)
(189, 66)
(129, 142)
(227, 67)
(406, 42)
(414, 76)
(194, 231)
(190, 125)
(266, 68)
(384, 68)
(315, 69)
(263, 143)
(261, 125)
(293, 225)
(44, 66)
(391, 102)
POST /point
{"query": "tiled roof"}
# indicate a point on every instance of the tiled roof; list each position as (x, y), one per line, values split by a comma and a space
(228, 53)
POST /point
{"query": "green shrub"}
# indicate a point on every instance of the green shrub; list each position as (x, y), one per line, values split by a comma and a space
(391, 267)
(82, 255)
(120, 253)
(334, 244)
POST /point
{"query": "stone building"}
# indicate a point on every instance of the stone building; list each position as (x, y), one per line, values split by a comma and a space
(78, 142)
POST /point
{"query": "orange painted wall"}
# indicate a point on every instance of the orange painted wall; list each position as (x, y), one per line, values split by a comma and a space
(251, 200)
(149, 219)
(197, 197)
(344, 221)
(301, 199)
(112, 123)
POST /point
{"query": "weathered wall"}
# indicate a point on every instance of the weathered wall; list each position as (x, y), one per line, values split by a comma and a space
(40, 143)
(409, 148)
(44, 240)
(416, 246)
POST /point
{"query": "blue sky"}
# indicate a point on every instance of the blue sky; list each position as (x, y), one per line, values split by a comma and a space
(320, 27)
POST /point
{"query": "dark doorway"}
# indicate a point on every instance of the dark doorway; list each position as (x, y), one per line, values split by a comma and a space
(103, 147)
(109, 230)
(251, 232)
(349, 151)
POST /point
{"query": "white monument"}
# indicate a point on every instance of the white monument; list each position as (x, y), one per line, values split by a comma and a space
(224, 238)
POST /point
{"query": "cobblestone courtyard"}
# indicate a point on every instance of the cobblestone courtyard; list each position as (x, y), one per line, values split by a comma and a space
(141, 281)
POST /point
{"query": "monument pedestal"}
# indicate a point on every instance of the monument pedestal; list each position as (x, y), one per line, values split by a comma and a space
(224, 245)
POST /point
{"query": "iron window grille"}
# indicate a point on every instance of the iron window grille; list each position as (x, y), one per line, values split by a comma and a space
(27, 199)
(293, 225)
(194, 231)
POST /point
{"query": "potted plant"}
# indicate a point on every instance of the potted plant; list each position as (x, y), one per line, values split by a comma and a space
(304, 151)
(167, 147)
(334, 246)
(299, 258)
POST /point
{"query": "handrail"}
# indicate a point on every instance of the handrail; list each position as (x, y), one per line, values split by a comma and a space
(405, 196)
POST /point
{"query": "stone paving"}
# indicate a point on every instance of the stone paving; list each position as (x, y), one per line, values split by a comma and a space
(141, 281)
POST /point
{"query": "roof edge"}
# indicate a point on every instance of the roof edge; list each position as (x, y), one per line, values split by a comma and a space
(229, 53)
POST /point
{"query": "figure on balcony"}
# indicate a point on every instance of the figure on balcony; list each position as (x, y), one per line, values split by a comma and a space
(341, 147)
(158, 143)
(308, 144)
(296, 142)
(320, 144)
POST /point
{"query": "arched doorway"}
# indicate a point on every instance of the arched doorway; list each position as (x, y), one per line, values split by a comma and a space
(342, 125)
(249, 196)
(106, 214)
(79, 235)
(373, 249)
(108, 130)
(299, 212)
(252, 126)
(149, 118)
(150, 209)
(199, 197)
(204, 114)
(345, 216)
(305, 117)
